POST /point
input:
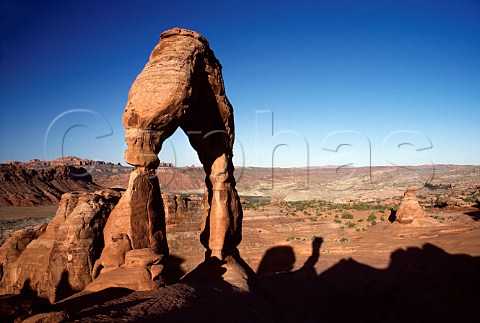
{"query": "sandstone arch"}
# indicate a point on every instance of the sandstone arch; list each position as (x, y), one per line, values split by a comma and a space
(181, 86)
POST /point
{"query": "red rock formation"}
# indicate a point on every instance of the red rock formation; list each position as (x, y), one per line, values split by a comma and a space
(180, 87)
(60, 261)
(409, 209)
(13, 247)
(62, 161)
(181, 209)
(20, 186)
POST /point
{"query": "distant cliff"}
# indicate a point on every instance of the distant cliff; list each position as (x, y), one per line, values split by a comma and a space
(62, 161)
(21, 186)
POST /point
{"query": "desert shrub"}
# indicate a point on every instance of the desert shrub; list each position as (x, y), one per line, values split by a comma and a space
(360, 220)
(350, 224)
(338, 221)
(343, 240)
(255, 202)
(429, 186)
(347, 215)
(372, 217)
(293, 238)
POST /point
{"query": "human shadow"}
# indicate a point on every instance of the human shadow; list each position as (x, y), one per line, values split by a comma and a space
(277, 260)
(293, 292)
(420, 284)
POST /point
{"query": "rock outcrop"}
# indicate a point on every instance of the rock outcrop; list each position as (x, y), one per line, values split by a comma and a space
(180, 87)
(409, 209)
(20, 186)
(59, 262)
(13, 247)
(181, 208)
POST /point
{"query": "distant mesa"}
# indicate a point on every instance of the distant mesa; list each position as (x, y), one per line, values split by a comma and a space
(62, 161)
(69, 161)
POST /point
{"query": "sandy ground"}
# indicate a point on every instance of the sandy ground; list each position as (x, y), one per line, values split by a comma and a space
(15, 218)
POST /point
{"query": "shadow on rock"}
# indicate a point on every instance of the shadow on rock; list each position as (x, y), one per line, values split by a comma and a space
(20, 306)
(172, 271)
(224, 291)
(215, 291)
(475, 215)
(421, 284)
(84, 300)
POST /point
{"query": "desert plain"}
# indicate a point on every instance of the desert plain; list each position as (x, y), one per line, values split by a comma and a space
(324, 244)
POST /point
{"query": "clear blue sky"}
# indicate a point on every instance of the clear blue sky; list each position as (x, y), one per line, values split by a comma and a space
(343, 81)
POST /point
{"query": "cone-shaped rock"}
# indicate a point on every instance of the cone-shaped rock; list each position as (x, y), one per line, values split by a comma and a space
(409, 209)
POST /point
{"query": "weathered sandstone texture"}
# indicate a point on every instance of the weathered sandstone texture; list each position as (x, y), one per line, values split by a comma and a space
(409, 209)
(58, 262)
(13, 247)
(182, 209)
(180, 87)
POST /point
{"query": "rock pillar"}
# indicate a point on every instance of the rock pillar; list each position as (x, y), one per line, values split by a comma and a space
(409, 209)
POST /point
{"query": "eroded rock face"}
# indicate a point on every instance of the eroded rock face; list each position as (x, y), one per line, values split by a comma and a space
(20, 186)
(180, 86)
(409, 209)
(181, 209)
(137, 222)
(13, 247)
(60, 261)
